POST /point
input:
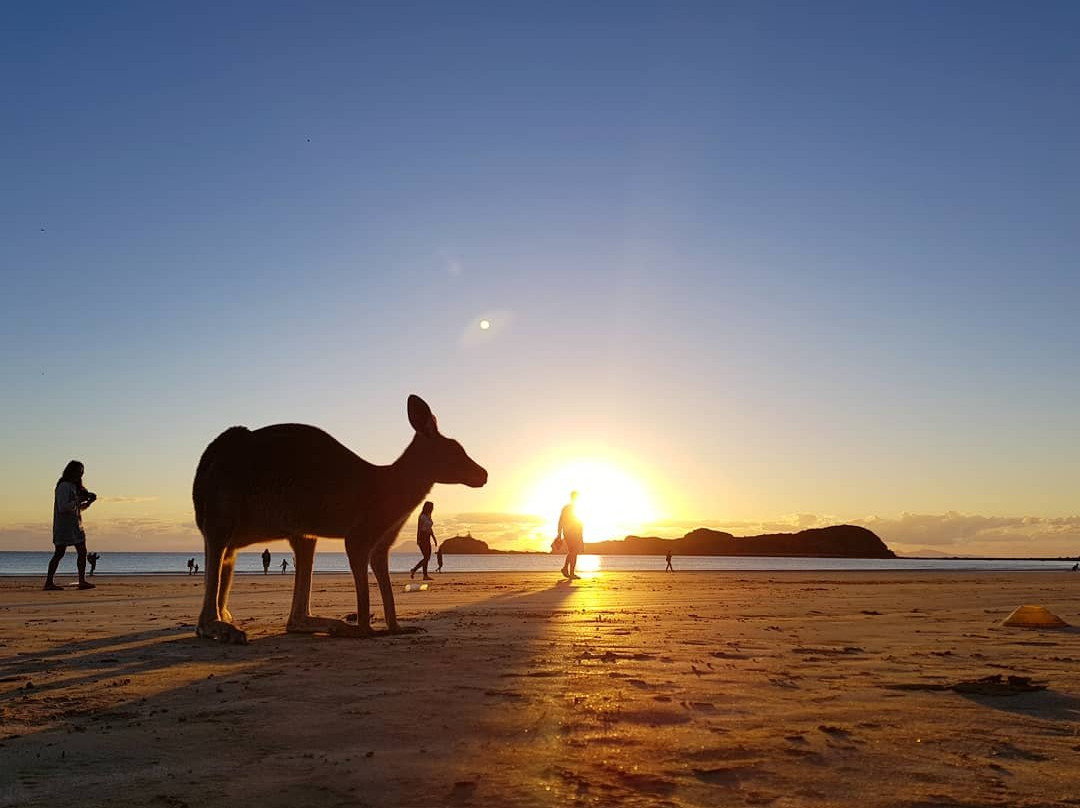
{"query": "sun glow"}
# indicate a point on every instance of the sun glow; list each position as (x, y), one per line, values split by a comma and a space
(611, 502)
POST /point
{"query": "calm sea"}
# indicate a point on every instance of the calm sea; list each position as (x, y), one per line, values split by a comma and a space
(35, 563)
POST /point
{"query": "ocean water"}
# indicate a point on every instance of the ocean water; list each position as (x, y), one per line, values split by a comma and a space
(35, 563)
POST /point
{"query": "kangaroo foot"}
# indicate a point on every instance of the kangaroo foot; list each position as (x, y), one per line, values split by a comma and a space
(397, 628)
(309, 624)
(222, 632)
(342, 629)
(352, 617)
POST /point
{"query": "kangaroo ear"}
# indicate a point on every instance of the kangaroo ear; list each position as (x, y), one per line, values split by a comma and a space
(420, 416)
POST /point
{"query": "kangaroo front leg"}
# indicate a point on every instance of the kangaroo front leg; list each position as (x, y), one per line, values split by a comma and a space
(301, 620)
(228, 566)
(211, 624)
(358, 551)
(380, 565)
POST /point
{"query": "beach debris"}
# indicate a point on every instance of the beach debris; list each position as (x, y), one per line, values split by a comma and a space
(994, 685)
(1033, 617)
(416, 587)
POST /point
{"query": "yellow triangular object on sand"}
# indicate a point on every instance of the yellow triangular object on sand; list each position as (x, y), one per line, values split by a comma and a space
(1034, 617)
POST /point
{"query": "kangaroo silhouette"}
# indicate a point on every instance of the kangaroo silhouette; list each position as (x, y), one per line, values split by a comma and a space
(296, 482)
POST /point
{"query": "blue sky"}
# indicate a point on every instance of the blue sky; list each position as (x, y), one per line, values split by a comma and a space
(777, 258)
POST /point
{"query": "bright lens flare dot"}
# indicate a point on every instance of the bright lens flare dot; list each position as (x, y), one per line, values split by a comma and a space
(485, 325)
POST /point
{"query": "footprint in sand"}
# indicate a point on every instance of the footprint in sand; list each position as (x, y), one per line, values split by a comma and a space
(725, 775)
(462, 790)
(700, 706)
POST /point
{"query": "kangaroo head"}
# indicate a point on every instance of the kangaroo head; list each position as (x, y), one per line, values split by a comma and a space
(443, 457)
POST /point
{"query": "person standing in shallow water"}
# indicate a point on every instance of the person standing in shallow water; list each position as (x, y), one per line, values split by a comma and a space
(266, 560)
(69, 501)
(425, 535)
(571, 531)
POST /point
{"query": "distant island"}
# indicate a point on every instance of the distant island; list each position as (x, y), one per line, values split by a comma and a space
(837, 541)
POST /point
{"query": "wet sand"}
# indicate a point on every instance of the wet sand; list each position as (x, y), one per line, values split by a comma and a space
(634, 689)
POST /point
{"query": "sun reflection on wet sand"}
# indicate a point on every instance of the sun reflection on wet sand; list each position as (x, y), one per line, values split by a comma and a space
(589, 566)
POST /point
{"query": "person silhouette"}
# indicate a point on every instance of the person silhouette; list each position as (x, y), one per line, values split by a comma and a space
(196, 569)
(669, 568)
(70, 499)
(425, 535)
(438, 557)
(92, 559)
(266, 560)
(571, 531)
(284, 566)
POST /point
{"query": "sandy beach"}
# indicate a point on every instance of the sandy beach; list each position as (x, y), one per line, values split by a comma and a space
(619, 689)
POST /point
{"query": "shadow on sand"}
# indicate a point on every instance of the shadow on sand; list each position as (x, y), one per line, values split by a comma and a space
(287, 720)
(1045, 704)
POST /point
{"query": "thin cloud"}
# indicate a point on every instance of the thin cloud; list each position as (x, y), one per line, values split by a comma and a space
(953, 532)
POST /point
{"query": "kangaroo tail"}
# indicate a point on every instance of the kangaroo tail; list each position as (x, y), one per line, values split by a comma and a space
(222, 448)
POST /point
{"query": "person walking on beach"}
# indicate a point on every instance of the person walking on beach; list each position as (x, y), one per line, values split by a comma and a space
(572, 532)
(425, 535)
(669, 568)
(93, 559)
(284, 566)
(266, 560)
(190, 566)
(438, 557)
(196, 569)
(70, 499)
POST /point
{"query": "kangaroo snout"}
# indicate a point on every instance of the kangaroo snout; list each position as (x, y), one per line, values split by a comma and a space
(478, 478)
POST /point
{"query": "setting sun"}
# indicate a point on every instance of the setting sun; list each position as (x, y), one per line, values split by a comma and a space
(611, 502)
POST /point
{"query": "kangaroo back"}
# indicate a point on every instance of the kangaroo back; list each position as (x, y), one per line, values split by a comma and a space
(225, 447)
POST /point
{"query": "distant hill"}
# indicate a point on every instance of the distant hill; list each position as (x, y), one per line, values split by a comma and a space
(926, 552)
(838, 541)
(465, 545)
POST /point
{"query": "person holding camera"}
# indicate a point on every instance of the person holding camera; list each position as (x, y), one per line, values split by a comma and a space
(70, 500)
